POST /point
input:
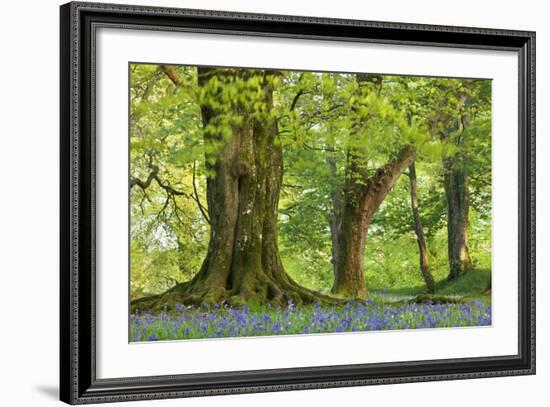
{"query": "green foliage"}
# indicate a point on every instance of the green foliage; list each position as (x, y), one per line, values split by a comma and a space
(473, 283)
(168, 232)
(310, 269)
(323, 119)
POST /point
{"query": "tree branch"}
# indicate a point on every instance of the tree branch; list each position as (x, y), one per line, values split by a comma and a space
(196, 199)
(166, 202)
(297, 96)
(325, 149)
(144, 184)
(170, 71)
(154, 176)
(385, 177)
(295, 100)
(171, 190)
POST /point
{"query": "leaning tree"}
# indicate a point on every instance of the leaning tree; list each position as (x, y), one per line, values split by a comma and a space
(350, 127)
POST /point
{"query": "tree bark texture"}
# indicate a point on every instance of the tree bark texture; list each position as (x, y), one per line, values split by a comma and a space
(242, 263)
(456, 193)
(335, 217)
(456, 190)
(361, 197)
(419, 230)
(458, 204)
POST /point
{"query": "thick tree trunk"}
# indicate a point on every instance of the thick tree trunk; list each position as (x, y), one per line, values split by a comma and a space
(419, 230)
(456, 193)
(349, 279)
(242, 263)
(361, 198)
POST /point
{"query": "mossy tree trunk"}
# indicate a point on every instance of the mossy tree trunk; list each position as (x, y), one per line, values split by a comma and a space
(456, 193)
(452, 131)
(335, 218)
(361, 197)
(457, 197)
(245, 170)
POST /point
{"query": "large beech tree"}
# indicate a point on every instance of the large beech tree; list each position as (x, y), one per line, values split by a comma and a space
(244, 166)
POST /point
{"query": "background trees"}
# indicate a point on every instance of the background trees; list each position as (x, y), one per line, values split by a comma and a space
(461, 119)
(169, 232)
(315, 160)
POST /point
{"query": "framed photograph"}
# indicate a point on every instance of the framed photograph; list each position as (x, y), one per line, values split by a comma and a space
(255, 203)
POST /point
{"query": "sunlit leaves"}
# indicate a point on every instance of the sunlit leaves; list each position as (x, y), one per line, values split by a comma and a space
(325, 121)
(165, 133)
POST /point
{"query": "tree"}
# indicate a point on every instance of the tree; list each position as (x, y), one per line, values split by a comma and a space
(459, 101)
(167, 228)
(458, 202)
(365, 154)
(244, 171)
(208, 150)
(361, 195)
(419, 230)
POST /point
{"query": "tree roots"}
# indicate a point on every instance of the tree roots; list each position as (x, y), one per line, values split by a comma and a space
(258, 290)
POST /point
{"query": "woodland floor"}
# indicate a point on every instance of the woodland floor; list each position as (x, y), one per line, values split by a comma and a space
(457, 303)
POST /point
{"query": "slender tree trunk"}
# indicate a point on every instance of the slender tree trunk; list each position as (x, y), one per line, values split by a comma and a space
(242, 263)
(361, 198)
(419, 230)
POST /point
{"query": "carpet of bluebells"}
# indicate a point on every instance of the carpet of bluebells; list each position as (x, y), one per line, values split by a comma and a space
(224, 321)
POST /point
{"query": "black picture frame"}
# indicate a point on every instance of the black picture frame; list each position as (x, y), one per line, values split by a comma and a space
(78, 382)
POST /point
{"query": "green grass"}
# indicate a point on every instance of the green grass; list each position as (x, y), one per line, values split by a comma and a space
(395, 283)
(391, 271)
(471, 284)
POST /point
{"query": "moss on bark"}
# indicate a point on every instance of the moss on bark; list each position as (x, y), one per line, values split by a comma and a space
(242, 264)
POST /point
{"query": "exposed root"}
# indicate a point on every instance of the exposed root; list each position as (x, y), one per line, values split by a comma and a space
(255, 291)
(437, 299)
